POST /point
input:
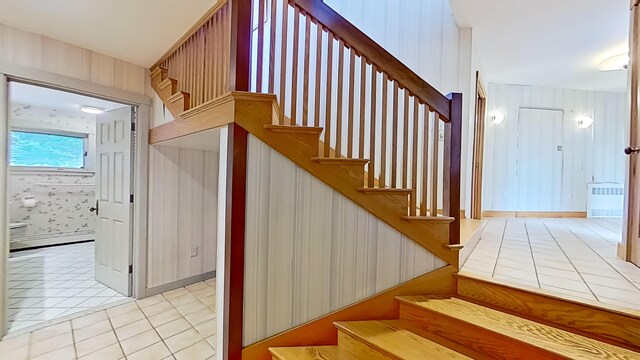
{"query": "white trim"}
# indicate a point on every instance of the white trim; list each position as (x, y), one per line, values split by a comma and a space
(40, 170)
(19, 244)
(140, 201)
(4, 203)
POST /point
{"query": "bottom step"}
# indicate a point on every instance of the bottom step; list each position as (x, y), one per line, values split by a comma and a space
(310, 353)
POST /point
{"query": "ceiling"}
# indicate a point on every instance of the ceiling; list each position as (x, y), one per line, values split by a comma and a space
(24, 94)
(556, 43)
(137, 31)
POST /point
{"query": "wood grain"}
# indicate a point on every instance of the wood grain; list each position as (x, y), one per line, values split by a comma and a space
(311, 353)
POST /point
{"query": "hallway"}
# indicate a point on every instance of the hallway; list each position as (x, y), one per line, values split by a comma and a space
(574, 258)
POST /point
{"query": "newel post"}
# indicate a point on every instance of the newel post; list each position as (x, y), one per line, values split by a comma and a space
(236, 167)
(452, 161)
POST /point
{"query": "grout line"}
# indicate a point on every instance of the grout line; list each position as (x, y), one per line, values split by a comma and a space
(504, 230)
(571, 262)
(535, 268)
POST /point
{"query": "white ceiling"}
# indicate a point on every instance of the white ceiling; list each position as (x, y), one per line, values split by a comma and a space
(24, 94)
(556, 43)
(138, 31)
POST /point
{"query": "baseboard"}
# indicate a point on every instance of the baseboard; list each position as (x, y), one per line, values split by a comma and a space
(39, 243)
(380, 306)
(177, 284)
(535, 214)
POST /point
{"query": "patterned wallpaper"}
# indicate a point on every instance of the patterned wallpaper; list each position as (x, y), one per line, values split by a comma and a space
(60, 210)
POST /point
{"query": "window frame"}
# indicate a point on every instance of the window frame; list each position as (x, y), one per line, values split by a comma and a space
(43, 131)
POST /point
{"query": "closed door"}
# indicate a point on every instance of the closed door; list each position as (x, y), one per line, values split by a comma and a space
(113, 203)
(539, 155)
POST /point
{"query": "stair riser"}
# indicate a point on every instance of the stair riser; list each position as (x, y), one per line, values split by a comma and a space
(360, 349)
(399, 202)
(474, 337)
(158, 77)
(166, 91)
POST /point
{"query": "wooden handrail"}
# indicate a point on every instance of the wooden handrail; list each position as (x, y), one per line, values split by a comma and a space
(355, 38)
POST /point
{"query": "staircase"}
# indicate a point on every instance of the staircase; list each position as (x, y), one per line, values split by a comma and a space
(454, 328)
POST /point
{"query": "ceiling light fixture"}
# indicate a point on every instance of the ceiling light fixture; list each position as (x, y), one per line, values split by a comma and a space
(497, 117)
(92, 110)
(585, 121)
(614, 63)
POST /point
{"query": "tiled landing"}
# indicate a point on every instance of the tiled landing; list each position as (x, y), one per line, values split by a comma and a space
(179, 324)
(54, 282)
(574, 258)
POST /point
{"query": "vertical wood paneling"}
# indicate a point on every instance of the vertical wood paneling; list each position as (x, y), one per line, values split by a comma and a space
(310, 251)
(588, 155)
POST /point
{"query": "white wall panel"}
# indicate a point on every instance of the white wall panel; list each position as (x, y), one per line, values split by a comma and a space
(588, 155)
(183, 206)
(310, 250)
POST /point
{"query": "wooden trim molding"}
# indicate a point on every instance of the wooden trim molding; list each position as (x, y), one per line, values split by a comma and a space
(452, 166)
(535, 214)
(381, 306)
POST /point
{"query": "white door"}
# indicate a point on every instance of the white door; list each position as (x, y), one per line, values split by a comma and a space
(540, 159)
(113, 204)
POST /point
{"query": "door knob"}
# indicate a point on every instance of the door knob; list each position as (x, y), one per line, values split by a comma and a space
(630, 150)
(95, 209)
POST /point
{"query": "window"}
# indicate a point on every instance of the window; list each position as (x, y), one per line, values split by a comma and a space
(47, 150)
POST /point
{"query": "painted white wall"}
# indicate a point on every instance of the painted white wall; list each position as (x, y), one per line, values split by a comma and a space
(588, 155)
(310, 250)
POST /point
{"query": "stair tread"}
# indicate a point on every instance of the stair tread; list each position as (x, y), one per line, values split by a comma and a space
(329, 160)
(391, 337)
(311, 353)
(552, 339)
(429, 218)
(166, 82)
(178, 95)
(294, 128)
(386, 190)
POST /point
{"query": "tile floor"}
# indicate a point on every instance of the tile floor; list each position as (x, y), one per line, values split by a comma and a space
(575, 258)
(53, 282)
(179, 324)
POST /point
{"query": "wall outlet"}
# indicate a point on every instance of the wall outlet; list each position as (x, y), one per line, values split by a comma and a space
(194, 251)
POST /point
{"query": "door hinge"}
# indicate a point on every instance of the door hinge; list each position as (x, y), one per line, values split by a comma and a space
(130, 269)
(133, 126)
(131, 198)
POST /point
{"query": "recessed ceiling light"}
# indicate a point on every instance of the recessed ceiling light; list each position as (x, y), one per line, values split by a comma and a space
(92, 110)
(614, 63)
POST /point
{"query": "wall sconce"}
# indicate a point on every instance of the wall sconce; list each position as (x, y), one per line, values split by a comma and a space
(497, 117)
(585, 121)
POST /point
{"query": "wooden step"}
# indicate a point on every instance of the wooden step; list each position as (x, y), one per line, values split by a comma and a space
(428, 219)
(499, 334)
(400, 198)
(167, 88)
(294, 129)
(388, 339)
(158, 75)
(341, 161)
(180, 101)
(311, 353)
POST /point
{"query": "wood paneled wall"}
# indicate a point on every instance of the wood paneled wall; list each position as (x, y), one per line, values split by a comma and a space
(43, 53)
(310, 251)
(183, 206)
(588, 155)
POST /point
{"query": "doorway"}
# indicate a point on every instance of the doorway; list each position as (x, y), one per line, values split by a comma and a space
(478, 149)
(69, 201)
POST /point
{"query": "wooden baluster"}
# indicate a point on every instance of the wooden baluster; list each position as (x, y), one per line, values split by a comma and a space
(363, 98)
(283, 62)
(316, 108)
(434, 164)
(295, 58)
(425, 161)
(394, 140)
(414, 157)
(382, 180)
(305, 91)
(405, 140)
(272, 47)
(217, 58)
(205, 63)
(260, 54)
(351, 113)
(340, 98)
(372, 149)
(327, 121)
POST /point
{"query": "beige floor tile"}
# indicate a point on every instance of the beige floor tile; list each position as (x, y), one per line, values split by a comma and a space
(122, 309)
(157, 308)
(201, 316)
(112, 352)
(14, 342)
(126, 319)
(50, 344)
(621, 283)
(561, 265)
(620, 303)
(92, 330)
(574, 295)
(164, 317)
(191, 307)
(618, 294)
(64, 353)
(198, 351)
(516, 281)
(206, 329)
(97, 342)
(484, 266)
(133, 329)
(182, 300)
(173, 327)
(139, 342)
(563, 274)
(89, 319)
(16, 353)
(175, 293)
(157, 351)
(197, 286)
(50, 331)
(213, 341)
(572, 285)
(151, 300)
(182, 340)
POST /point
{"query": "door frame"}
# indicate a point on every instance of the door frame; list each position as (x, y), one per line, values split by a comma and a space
(477, 163)
(10, 72)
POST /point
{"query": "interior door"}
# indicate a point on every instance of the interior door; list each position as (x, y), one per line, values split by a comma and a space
(631, 230)
(478, 150)
(113, 203)
(540, 159)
